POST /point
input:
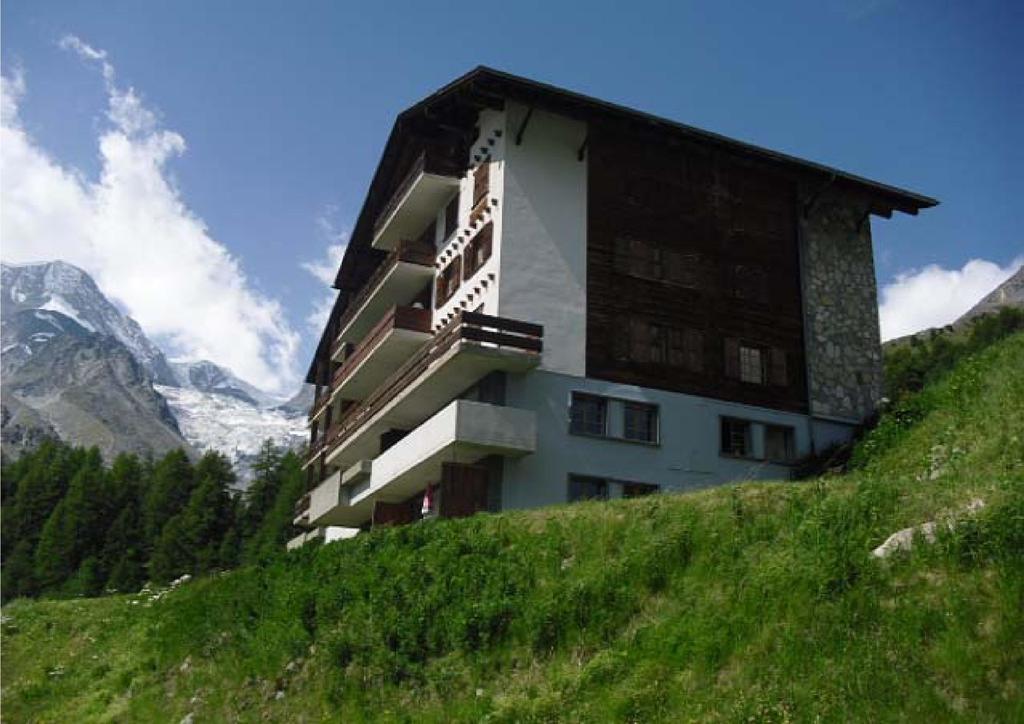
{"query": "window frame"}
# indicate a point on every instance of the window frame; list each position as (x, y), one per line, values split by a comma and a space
(623, 402)
(748, 453)
(789, 433)
(745, 352)
(648, 489)
(654, 423)
(581, 429)
(602, 484)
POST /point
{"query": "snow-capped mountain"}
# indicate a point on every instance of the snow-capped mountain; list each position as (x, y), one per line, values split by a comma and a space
(61, 287)
(205, 376)
(217, 409)
(225, 422)
(207, 405)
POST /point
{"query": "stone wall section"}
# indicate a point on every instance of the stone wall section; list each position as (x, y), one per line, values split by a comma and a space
(844, 353)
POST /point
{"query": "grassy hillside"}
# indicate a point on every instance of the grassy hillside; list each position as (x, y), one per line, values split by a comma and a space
(751, 602)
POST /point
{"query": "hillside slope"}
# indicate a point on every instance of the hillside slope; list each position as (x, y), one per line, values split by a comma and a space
(757, 602)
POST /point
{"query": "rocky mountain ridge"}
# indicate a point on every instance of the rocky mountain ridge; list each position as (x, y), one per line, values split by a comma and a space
(76, 368)
(60, 379)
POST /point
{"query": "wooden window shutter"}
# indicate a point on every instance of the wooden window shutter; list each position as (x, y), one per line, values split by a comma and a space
(658, 336)
(639, 332)
(637, 257)
(693, 343)
(620, 339)
(484, 249)
(470, 254)
(779, 373)
(732, 358)
(481, 182)
(677, 347)
(622, 254)
(439, 287)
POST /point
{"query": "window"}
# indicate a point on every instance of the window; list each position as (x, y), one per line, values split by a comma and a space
(588, 415)
(750, 284)
(477, 252)
(638, 490)
(640, 422)
(757, 365)
(736, 438)
(657, 340)
(642, 341)
(451, 217)
(693, 350)
(582, 487)
(682, 269)
(638, 257)
(447, 282)
(751, 365)
(778, 444)
(647, 259)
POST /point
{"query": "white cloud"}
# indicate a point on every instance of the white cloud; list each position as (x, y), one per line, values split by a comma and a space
(326, 269)
(131, 230)
(934, 297)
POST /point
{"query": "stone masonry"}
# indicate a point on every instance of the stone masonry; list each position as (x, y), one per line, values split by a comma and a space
(844, 353)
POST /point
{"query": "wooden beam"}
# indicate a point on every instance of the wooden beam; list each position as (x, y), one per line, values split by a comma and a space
(523, 125)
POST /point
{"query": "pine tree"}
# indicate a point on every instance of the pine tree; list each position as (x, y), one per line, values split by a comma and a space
(171, 483)
(192, 540)
(172, 554)
(276, 526)
(19, 572)
(75, 529)
(122, 560)
(260, 496)
(44, 476)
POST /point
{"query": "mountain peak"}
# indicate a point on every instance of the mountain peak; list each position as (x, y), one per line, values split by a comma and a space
(62, 287)
(1008, 294)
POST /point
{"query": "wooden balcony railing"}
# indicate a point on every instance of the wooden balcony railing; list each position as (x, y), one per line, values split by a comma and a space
(407, 251)
(417, 320)
(302, 505)
(320, 402)
(317, 446)
(469, 326)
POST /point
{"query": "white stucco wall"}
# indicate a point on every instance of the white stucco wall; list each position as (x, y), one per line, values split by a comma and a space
(474, 292)
(542, 254)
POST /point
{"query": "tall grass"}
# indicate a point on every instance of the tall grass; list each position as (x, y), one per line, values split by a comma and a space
(749, 602)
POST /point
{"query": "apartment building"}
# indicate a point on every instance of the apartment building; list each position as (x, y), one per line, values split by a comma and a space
(547, 298)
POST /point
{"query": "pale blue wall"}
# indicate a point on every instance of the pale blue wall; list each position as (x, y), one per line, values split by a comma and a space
(686, 458)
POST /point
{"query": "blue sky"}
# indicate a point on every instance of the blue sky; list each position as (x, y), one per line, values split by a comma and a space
(283, 107)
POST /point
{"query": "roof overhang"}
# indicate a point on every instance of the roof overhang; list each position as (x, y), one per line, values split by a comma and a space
(451, 111)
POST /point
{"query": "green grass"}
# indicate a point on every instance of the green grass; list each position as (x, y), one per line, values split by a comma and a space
(754, 602)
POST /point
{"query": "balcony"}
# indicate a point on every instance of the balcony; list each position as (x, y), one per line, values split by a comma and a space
(303, 538)
(469, 347)
(318, 447)
(397, 281)
(423, 192)
(393, 340)
(320, 403)
(463, 432)
(301, 519)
